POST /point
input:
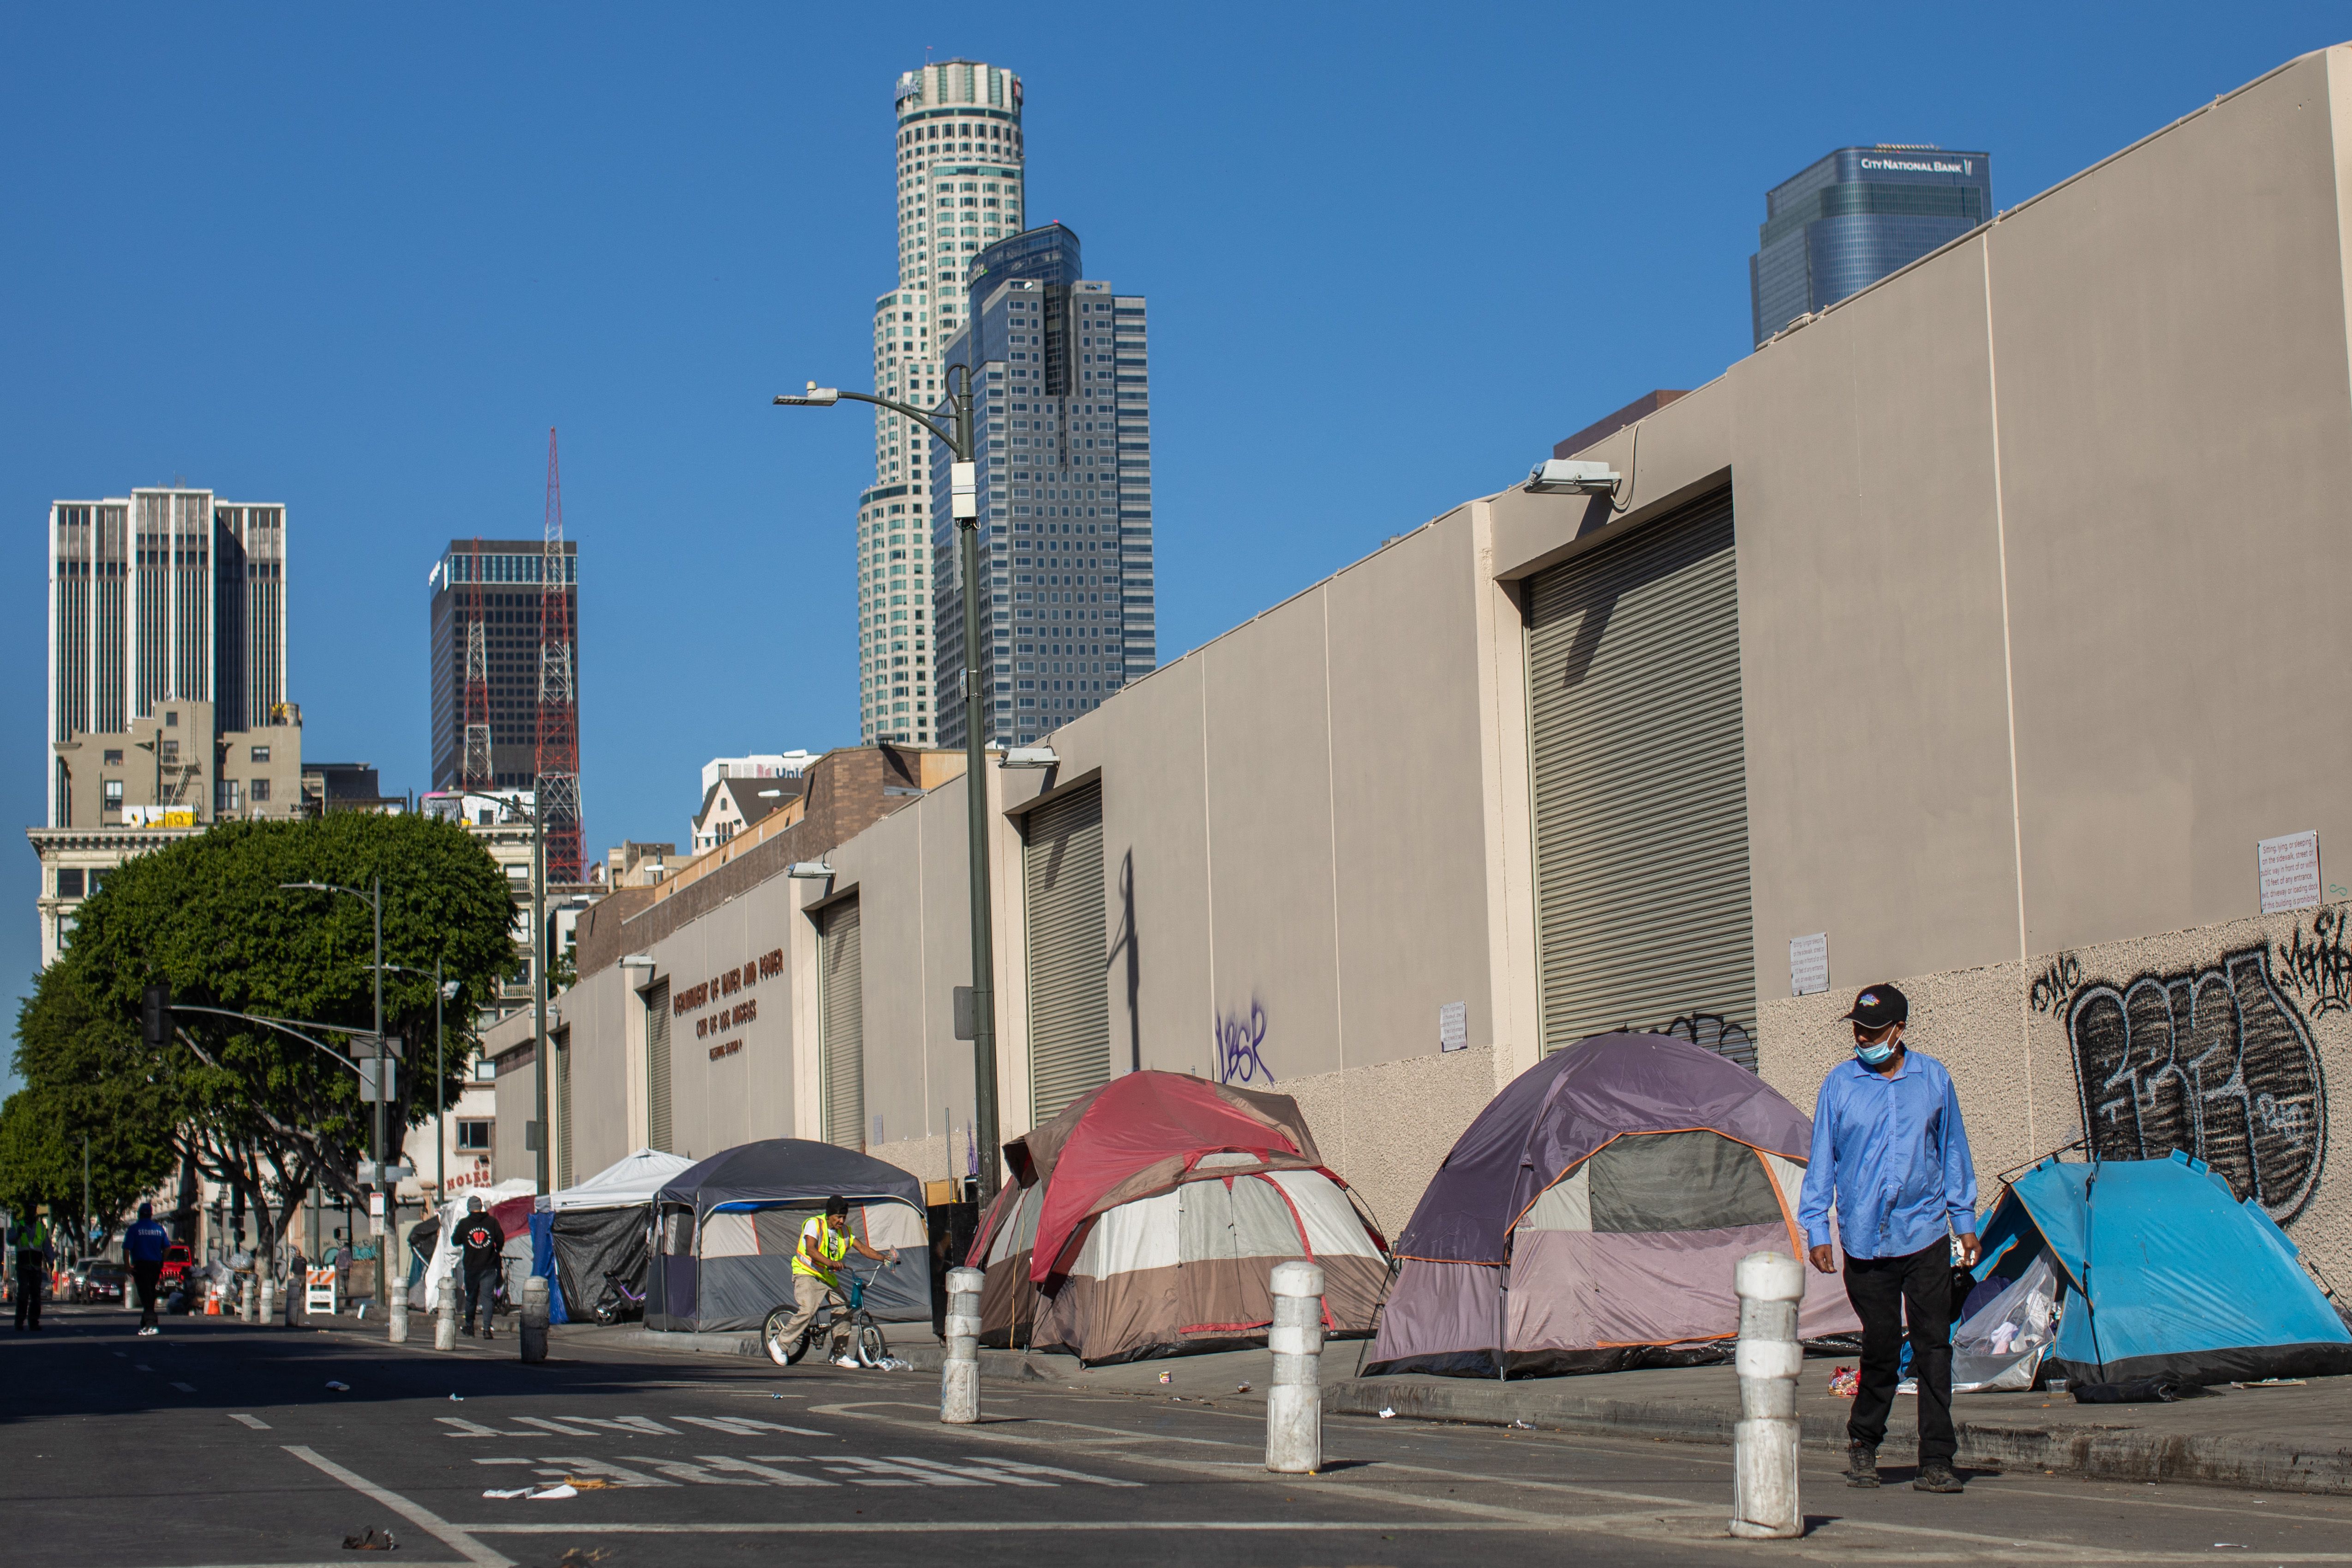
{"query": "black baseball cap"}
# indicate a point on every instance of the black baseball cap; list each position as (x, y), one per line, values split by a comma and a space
(1880, 1005)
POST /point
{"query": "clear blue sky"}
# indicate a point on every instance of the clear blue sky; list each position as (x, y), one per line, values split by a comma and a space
(358, 260)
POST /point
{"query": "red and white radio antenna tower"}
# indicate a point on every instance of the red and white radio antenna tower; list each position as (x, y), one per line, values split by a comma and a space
(559, 694)
(476, 771)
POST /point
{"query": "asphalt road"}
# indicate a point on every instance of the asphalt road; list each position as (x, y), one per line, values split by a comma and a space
(215, 1445)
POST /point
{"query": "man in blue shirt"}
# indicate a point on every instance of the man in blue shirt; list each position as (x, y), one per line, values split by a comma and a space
(1890, 1153)
(144, 1245)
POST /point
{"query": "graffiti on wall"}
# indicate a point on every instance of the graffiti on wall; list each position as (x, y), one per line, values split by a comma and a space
(1239, 1039)
(1724, 1036)
(2319, 965)
(2213, 1062)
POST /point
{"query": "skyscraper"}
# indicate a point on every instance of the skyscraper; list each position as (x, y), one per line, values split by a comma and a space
(163, 594)
(495, 583)
(1854, 216)
(1063, 404)
(959, 178)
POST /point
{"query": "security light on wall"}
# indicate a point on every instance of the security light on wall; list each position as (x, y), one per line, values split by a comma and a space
(638, 961)
(810, 870)
(1564, 476)
(1030, 757)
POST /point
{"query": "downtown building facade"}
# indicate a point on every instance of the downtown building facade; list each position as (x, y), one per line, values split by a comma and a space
(1854, 216)
(1675, 767)
(1062, 414)
(958, 173)
(166, 686)
(491, 590)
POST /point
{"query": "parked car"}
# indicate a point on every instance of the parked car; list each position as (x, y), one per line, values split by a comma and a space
(178, 1257)
(104, 1281)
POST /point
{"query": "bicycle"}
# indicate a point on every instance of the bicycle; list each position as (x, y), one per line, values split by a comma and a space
(849, 1326)
(618, 1302)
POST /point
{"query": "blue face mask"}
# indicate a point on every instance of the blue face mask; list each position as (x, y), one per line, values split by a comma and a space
(1874, 1055)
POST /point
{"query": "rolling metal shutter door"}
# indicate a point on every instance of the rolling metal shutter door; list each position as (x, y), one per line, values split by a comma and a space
(1069, 1004)
(1639, 789)
(657, 1127)
(841, 997)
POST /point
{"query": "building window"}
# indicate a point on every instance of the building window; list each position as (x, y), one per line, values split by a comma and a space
(114, 795)
(260, 753)
(170, 719)
(226, 795)
(114, 759)
(171, 754)
(474, 1137)
(260, 790)
(69, 882)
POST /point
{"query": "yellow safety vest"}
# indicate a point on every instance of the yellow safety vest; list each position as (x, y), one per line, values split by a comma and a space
(833, 1246)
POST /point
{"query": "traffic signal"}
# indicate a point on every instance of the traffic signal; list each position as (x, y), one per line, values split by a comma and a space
(156, 1017)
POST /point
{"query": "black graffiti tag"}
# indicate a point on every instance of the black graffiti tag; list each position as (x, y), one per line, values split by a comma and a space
(2214, 1062)
(1716, 1034)
(2320, 967)
(2052, 985)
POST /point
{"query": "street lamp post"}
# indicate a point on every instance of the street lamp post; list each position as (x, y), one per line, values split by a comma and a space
(443, 990)
(964, 507)
(376, 1137)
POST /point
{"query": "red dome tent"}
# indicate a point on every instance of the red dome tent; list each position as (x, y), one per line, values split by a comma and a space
(1146, 1219)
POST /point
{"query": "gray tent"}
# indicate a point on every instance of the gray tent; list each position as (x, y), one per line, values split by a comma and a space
(725, 1231)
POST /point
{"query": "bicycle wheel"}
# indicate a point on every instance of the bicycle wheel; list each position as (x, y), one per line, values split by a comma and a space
(772, 1336)
(872, 1349)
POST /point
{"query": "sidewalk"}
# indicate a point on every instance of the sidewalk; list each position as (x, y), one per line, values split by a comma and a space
(2266, 1439)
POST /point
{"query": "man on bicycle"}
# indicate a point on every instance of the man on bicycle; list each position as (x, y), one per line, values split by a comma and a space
(825, 1241)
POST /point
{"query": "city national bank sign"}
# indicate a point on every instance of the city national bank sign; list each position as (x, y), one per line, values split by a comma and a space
(727, 1014)
(1918, 165)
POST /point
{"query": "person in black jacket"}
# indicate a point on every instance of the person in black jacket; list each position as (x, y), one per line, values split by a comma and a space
(482, 1242)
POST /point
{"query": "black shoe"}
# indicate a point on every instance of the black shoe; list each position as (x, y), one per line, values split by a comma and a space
(1936, 1475)
(1860, 1465)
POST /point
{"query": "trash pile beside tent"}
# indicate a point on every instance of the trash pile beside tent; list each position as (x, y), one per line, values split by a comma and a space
(604, 1225)
(725, 1231)
(1590, 1219)
(1147, 1218)
(2152, 1268)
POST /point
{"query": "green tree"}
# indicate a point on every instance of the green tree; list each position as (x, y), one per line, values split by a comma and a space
(84, 1082)
(263, 1111)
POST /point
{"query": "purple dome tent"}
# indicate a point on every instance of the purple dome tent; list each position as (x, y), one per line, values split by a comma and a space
(1589, 1220)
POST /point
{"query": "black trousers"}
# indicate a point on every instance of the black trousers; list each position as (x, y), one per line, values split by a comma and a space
(32, 1270)
(1884, 1291)
(145, 1276)
(481, 1290)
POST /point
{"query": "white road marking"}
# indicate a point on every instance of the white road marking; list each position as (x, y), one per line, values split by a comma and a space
(185, 1387)
(681, 1470)
(466, 1428)
(255, 1422)
(560, 1428)
(140, 1366)
(776, 1476)
(562, 1465)
(454, 1536)
(746, 1426)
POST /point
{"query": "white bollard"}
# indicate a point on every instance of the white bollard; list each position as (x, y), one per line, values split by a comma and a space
(1764, 1504)
(533, 1337)
(247, 1305)
(395, 1322)
(959, 1372)
(445, 1321)
(269, 1300)
(1293, 1404)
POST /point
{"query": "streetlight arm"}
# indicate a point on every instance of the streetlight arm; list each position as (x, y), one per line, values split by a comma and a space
(280, 1026)
(917, 415)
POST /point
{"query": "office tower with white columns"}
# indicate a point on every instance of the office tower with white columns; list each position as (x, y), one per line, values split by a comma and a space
(959, 178)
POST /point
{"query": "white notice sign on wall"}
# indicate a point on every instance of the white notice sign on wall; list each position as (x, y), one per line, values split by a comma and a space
(1452, 1025)
(2290, 872)
(1809, 964)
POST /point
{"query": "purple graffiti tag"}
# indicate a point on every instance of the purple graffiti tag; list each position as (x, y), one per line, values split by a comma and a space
(1238, 1039)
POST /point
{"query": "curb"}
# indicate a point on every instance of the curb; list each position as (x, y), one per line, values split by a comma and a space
(2093, 1453)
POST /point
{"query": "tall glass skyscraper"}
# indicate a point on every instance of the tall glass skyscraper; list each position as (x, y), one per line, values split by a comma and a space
(1857, 216)
(1060, 370)
(959, 173)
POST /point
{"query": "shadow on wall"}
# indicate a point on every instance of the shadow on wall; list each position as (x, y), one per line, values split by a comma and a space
(2220, 1059)
(1128, 943)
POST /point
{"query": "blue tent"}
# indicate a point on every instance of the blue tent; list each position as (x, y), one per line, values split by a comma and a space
(2164, 1273)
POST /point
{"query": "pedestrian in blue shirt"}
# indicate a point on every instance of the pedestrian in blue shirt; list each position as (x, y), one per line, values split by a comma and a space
(144, 1245)
(1890, 1155)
